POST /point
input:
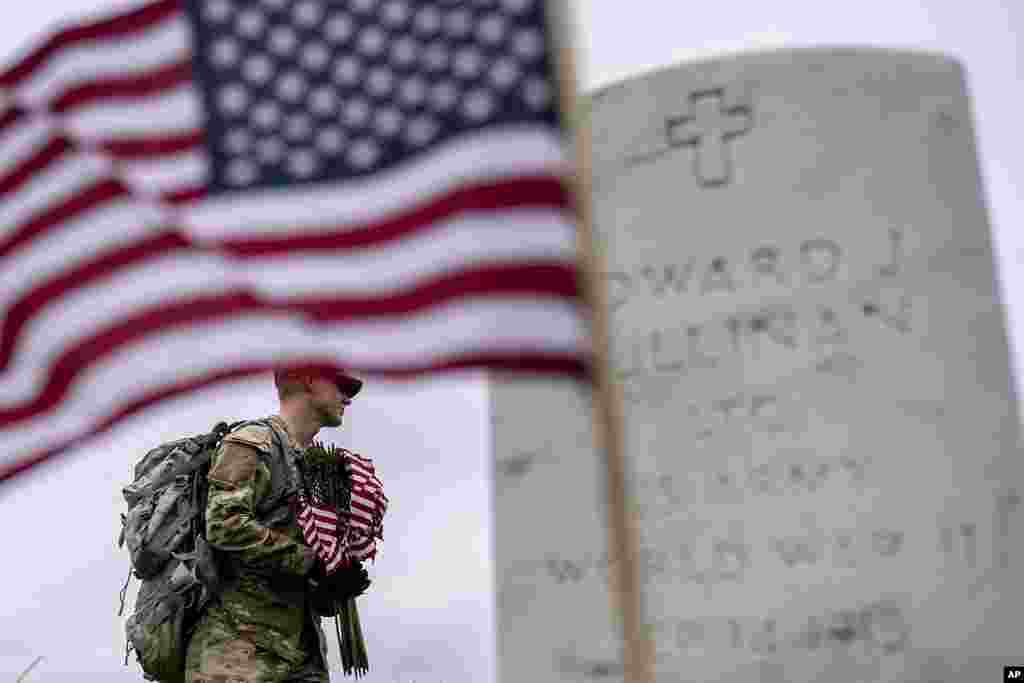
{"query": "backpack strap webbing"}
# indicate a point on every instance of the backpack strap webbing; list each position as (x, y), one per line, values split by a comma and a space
(193, 464)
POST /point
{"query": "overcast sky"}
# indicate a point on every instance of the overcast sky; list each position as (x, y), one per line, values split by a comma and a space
(429, 615)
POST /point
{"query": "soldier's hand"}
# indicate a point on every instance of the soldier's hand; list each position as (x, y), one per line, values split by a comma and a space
(351, 581)
(316, 574)
(360, 582)
(309, 560)
(345, 583)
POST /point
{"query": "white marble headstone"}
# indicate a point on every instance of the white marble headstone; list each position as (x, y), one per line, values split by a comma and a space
(821, 426)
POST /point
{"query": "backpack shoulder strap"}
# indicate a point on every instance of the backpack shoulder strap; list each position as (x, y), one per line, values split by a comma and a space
(207, 444)
(285, 475)
(275, 436)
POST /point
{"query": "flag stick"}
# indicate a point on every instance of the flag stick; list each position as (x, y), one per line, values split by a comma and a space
(607, 412)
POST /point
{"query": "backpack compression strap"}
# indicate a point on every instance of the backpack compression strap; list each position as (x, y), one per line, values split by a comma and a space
(207, 442)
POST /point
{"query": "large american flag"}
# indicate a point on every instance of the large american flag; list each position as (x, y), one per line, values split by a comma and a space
(194, 191)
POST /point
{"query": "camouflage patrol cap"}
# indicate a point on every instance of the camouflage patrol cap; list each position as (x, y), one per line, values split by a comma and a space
(349, 384)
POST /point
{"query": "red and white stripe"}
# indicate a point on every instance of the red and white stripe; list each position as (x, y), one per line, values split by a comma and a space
(122, 285)
(319, 525)
(357, 540)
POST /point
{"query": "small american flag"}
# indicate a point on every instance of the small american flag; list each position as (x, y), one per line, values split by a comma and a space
(353, 536)
(197, 191)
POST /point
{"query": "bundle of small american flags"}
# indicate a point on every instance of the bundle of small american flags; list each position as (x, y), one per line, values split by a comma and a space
(340, 536)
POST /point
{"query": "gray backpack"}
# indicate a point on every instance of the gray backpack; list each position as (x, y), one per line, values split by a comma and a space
(164, 530)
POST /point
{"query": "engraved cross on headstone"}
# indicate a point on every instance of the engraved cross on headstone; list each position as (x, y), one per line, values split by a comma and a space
(708, 124)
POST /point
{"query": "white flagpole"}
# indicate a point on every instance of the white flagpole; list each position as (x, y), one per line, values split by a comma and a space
(607, 409)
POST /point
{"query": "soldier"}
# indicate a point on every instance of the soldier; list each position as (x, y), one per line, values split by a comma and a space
(265, 625)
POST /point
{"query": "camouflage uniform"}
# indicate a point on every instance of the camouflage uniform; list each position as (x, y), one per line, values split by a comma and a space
(263, 628)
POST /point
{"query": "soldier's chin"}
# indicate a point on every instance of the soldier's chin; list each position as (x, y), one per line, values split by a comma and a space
(332, 420)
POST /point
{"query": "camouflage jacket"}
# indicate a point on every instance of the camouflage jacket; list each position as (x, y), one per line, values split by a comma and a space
(250, 520)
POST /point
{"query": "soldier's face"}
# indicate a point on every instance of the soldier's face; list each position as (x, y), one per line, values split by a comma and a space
(328, 401)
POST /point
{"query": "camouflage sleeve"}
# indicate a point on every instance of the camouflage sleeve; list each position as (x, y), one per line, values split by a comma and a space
(238, 481)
